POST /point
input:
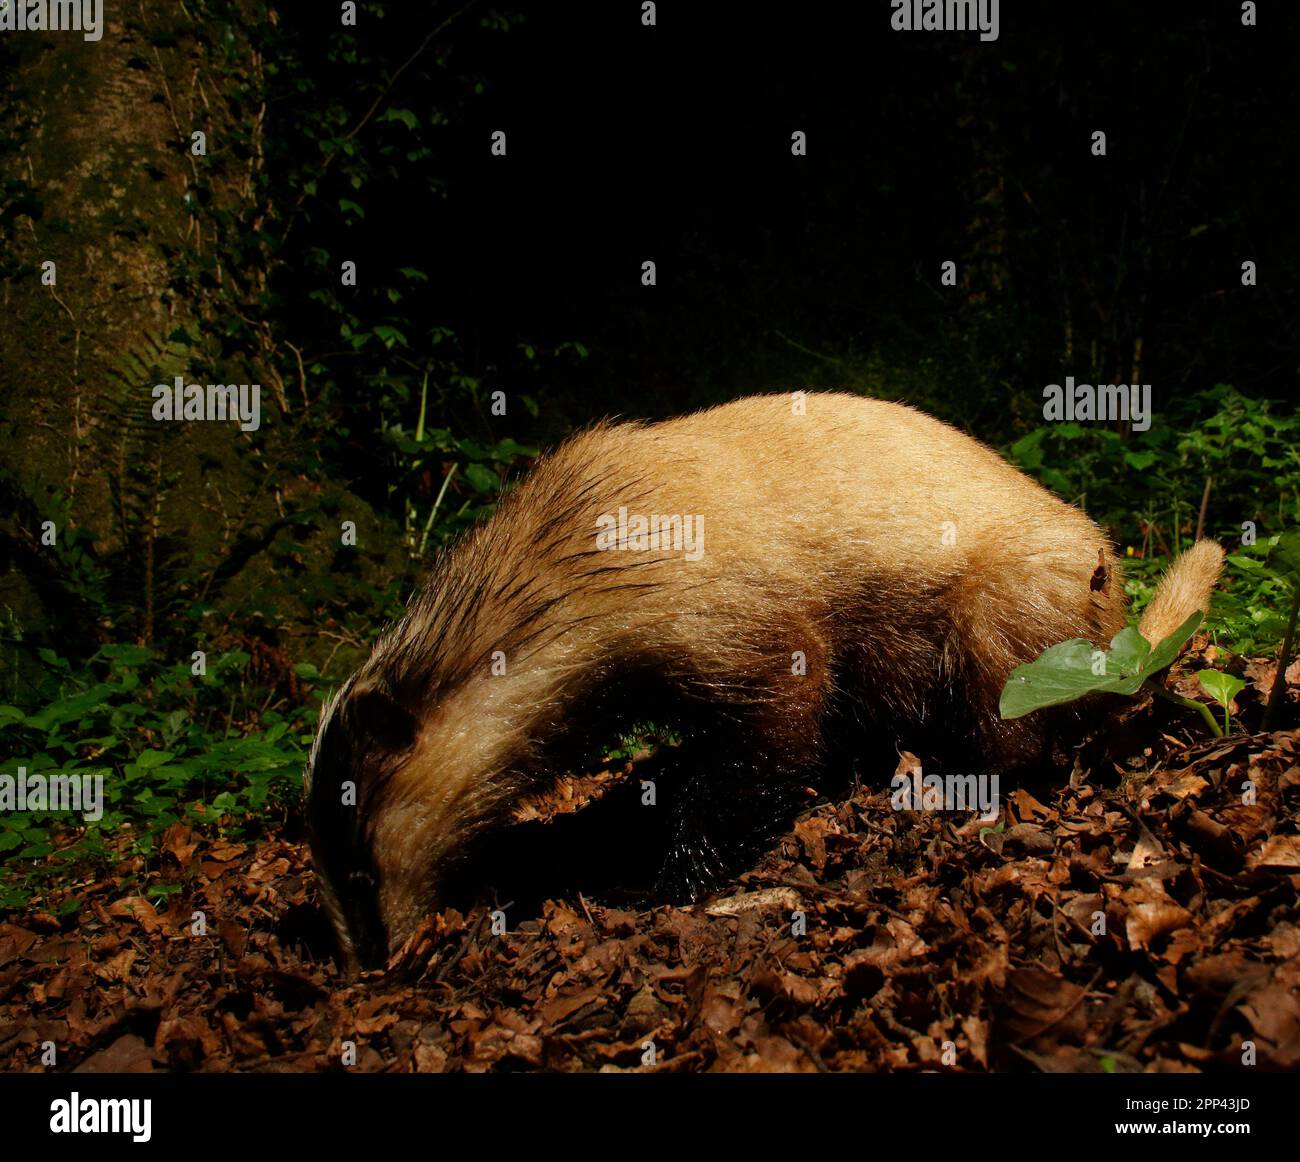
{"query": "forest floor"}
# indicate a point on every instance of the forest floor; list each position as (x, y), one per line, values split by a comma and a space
(1141, 917)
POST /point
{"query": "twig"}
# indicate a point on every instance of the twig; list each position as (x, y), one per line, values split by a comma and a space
(808, 350)
(1205, 503)
(302, 374)
(1279, 681)
(446, 480)
(383, 96)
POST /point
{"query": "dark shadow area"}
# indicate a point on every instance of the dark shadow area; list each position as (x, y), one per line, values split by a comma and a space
(612, 849)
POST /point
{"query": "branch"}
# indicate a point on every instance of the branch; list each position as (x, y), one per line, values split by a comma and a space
(406, 64)
(369, 113)
(1205, 503)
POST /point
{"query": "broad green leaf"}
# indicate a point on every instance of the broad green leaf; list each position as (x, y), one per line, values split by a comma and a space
(391, 335)
(1223, 688)
(1166, 651)
(483, 479)
(1068, 671)
(128, 655)
(50, 658)
(154, 758)
(1128, 650)
(405, 116)
(1287, 555)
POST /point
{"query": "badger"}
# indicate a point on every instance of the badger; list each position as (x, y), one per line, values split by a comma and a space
(778, 574)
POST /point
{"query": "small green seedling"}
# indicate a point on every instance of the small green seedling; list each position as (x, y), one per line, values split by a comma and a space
(1223, 688)
(1069, 671)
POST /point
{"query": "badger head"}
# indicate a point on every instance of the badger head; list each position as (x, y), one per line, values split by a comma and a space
(364, 739)
(396, 786)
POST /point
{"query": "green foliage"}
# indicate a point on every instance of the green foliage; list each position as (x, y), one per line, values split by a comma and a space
(417, 451)
(1147, 486)
(1252, 609)
(354, 358)
(168, 749)
(641, 737)
(1069, 671)
(1223, 688)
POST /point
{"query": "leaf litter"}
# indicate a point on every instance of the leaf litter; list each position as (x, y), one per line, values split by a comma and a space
(1142, 917)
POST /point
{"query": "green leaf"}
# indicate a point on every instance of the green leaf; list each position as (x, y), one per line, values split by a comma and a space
(128, 655)
(50, 658)
(1070, 671)
(1166, 651)
(391, 335)
(1128, 650)
(482, 479)
(154, 758)
(1028, 451)
(1287, 555)
(405, 116)
(1223, 688)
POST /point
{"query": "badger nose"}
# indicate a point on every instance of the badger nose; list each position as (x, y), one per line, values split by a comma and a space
(367, 936)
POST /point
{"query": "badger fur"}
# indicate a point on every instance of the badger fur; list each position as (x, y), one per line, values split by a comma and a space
(864, 567)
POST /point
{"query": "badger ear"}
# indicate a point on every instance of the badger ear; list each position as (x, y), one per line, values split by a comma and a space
(373, 709)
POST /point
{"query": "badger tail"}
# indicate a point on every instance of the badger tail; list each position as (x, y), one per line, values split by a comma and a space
(1185, 588)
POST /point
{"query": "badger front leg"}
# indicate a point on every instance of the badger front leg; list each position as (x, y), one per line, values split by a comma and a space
(743, 775)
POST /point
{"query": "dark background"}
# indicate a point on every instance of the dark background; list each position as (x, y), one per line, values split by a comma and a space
(521, 275)
(673, 143)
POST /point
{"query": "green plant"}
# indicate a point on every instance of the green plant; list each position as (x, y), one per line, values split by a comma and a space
(1076, 668)
(1215, 450)
(170, 746)
(417, 451)
(1223, 688)
(1271, 574)
(641, 737)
